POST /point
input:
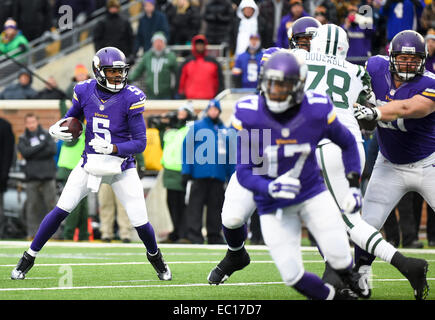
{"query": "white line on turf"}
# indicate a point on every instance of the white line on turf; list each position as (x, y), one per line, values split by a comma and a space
(95, 244)
(163, 285)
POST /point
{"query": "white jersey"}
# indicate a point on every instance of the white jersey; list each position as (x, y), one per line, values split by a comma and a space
(342, 81)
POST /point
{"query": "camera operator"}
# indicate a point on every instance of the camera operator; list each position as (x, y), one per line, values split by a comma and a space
(176, 126)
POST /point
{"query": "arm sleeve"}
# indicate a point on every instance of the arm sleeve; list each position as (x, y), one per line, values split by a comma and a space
(138, 143)
(76, 110)
(245, 164)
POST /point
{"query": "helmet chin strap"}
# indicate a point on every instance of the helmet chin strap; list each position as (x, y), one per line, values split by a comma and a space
(278, 106)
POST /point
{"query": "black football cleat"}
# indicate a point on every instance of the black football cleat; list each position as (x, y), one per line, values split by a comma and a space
(352, 280)
(24, 265)
(162, 269)
(233, 261)
(415, 271)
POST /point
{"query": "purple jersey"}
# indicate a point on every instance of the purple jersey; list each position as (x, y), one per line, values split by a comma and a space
(115, 117)
(403, 140)
(276, 147)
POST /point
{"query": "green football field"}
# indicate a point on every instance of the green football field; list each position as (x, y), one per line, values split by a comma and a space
(116, 271)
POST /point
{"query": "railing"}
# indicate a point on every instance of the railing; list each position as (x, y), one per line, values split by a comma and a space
(44, 50)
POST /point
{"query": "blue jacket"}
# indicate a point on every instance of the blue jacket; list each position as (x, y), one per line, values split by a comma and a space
(146, 29)
(400, 16)
(208, 151)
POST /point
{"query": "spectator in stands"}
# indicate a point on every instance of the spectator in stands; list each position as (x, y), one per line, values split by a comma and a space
(207, 175)
(110, 208)
(81, 73)
(326, 6)
(114, 31)
(160, 67)
(38, 148)
(321, 14)
(360, 35)
(81, 9)
(34, 17)
(247, 65)
(21, 90)
(401, 15)
(172, 180)
(430, 43)
(7, 154)
(341, 8)
(153, 20)
(269, 19)
(51, 90)
(245, 24)
(428, 17)
(218, 17)
(296, 11)
(12, 42)
(184, 21)
(200, 76)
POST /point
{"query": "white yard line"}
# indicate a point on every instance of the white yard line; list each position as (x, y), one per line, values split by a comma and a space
(97, 244)
(165, 285)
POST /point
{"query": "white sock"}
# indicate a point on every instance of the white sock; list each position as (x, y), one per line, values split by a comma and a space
(32, 253)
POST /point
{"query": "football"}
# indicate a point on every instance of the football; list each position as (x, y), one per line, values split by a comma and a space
(75, 127)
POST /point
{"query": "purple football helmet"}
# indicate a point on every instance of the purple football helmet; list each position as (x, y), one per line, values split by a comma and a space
(302, 27)
(283, 80)
(407, 42)
(113, 58)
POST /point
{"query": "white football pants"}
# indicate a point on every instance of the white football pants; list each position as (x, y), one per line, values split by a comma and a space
(282, 234)
(329, 158)
(389, 182)
(126, 185)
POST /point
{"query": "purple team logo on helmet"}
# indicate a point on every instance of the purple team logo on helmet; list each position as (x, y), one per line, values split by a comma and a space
(302, 27)
(282, 81)
(410, 45)
(113, 58)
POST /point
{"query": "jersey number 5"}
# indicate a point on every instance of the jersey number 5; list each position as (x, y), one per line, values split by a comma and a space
(101, 126)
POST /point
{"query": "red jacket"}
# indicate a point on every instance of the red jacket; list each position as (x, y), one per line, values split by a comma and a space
(200, 76)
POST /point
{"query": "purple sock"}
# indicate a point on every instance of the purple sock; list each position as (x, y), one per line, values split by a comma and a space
(235, 237)
(148, 237)
(311, 286)
(48, 227)
(362, 257)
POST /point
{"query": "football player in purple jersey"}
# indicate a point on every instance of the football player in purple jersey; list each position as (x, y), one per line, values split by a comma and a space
(239, 204)
(405, 99)
(286, 182)
(115, 131)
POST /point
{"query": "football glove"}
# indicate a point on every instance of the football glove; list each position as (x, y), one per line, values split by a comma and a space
(352, 201)
(58, 132)
(366, 113)
(101, 146)
(284, 187)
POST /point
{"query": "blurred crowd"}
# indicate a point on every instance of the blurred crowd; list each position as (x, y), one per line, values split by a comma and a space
(246, 27)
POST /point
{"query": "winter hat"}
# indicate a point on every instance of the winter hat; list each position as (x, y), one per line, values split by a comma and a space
(214, 103)
(80, 69)
(113, 3)
(150, 1)
(430, 34)
(188, 106)
(159, 35)
(10, 23)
